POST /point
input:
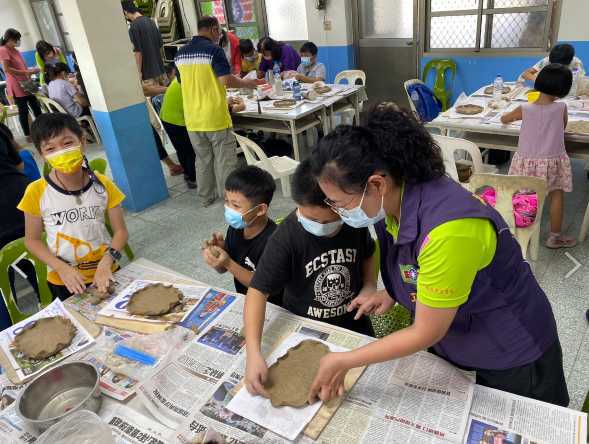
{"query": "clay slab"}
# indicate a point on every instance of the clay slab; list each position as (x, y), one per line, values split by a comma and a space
(45, 338)
(154, 300)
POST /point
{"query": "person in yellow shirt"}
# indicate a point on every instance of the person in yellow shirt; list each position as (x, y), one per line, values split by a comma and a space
(250, 59)
(70, 205)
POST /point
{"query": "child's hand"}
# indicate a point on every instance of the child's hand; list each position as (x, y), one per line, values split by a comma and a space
(256, 374)
(72, 279)
(216, 257)
(103, 276)
(371, 302)
(218, 240)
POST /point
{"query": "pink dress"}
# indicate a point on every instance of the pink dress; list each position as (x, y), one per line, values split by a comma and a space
(15, 61)
(541, 150)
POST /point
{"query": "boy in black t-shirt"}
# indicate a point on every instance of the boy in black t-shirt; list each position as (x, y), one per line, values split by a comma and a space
(248, 193)
(320, 263)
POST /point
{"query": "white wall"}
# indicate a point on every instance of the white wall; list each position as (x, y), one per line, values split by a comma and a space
(573, 21)
(339, 13)
(17, 14)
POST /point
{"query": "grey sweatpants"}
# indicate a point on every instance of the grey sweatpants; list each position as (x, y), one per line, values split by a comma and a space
(215, 159)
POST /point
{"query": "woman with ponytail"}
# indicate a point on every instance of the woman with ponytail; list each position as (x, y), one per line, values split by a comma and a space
(445, 256)
(16, 72)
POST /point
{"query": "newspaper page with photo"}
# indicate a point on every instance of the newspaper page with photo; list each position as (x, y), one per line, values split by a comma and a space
(498, 416)
(173, 393)
(27, 368)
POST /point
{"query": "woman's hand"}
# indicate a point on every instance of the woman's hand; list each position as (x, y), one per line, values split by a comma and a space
(370, 301)
(72, 279)
(34, 70)
(103, 276)
(256, 373)
(329, 380)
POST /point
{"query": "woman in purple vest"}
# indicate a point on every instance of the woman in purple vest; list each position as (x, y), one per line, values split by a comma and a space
(445, 255)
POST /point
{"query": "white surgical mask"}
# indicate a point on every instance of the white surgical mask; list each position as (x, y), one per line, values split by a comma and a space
(319, 229)
(357, 217)
(17, 44)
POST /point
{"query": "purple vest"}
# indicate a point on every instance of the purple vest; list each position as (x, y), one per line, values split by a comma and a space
(507, 320)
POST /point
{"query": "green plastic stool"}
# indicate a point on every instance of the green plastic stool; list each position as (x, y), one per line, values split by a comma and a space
(397, 318)
(8, 255)
(441, 66)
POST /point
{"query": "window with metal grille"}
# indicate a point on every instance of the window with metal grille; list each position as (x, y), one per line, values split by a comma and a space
(489, 25)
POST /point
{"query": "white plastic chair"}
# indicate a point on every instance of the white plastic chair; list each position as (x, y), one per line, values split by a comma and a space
(280, 167)
(451, 145)
(406, 85)
(52, 106)
(347, 113)
(505, 187)
(584, 226)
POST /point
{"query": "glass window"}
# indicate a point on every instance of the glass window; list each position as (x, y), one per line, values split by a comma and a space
(287, 20)
(453, 5)
(454, 31)
(377, 21)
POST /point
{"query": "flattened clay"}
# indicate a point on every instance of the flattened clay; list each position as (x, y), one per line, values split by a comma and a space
(469, 109)
(284, 103)
(45, 338)
(490, 90)
(154, 300)
(291, 376)
(322, 89)
(578, 127)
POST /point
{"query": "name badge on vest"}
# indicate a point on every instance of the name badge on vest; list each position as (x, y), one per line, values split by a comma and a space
(409, 274)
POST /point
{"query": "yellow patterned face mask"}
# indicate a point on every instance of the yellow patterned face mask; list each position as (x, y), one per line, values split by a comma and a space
(66, 161)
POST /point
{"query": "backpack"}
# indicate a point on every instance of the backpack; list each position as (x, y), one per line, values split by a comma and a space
(428, 106)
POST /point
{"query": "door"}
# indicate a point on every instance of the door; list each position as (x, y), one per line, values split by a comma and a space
(386, 42)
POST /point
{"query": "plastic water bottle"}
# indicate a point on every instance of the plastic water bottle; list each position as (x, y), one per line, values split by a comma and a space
(498, 88)
(575, 84)
(276, 70)
(296, 91)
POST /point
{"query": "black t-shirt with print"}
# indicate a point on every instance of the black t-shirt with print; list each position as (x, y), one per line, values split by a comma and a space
(319, 275)
(247, 253)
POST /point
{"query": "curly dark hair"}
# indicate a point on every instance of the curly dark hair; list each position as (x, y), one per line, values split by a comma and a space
(391, 140)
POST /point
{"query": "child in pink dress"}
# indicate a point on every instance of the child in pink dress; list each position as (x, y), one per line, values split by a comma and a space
(541, 150)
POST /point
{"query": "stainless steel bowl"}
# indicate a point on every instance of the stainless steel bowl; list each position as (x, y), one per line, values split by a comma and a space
(59, 392)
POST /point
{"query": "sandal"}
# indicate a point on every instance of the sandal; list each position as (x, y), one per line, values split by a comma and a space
(561, 241)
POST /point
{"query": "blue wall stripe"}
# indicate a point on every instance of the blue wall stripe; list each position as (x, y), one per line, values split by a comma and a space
(336, 59)
(474, 72)
(132, 155)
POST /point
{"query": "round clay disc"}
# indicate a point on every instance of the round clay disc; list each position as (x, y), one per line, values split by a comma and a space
(290, 377)
(45, 337)
(154, 300)
(491, 89)
(284, 103)
(469, 109)
(323, 89)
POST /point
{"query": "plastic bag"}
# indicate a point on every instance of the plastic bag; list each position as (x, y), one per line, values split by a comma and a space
(81, 427)
(525, 205)
(158, 345)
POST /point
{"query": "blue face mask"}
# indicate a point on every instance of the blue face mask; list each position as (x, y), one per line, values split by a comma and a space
(235, 219)
(318, 229)
(357, 217)
(305, 61)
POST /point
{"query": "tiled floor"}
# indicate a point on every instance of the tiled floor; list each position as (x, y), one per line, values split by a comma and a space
(170, 233)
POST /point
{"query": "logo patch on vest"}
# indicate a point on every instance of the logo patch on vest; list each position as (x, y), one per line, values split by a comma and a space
(409, 274)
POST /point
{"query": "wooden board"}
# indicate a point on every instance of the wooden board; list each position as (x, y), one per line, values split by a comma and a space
(90, 326)
(136, 326)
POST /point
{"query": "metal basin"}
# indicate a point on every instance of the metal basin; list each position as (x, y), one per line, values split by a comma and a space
(59, 392)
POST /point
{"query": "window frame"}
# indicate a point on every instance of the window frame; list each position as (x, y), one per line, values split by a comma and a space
(550, 33)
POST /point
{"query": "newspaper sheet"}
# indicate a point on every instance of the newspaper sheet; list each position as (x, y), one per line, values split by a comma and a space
(117, 307)
(210, 307)
(113, 384)
(285, 421)
(27, 368)
(498, 416)
(13, 430)
(131, 427)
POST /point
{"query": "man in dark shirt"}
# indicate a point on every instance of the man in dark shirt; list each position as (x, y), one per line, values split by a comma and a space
(321, 264)
(147, 44)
